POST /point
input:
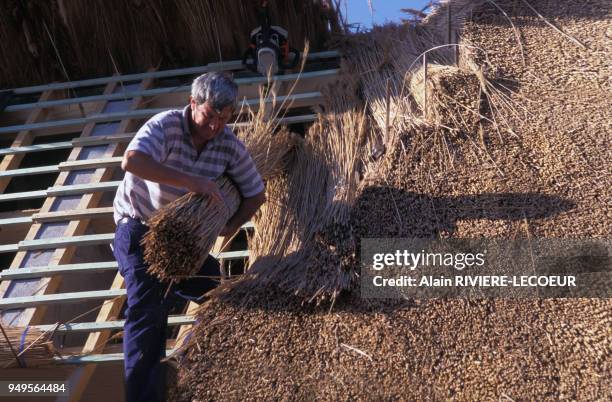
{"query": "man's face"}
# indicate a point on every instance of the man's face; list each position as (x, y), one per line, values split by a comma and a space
(207, 121)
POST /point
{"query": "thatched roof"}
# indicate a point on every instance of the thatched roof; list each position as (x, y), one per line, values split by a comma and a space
(541, 171)
(62, 40)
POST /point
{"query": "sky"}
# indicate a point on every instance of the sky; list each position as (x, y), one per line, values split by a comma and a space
(384, 10)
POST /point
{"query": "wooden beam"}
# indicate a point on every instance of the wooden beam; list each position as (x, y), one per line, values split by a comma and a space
(29, 171)
(231, 255)
(102, 139)
(96, 359)
(229, 65)
(297, 100)
(25, 195)
(173, 320)
(50, 270)
(53, 146)
(15, 221)
(91, 163)
(58, 298)
(61, 242)
(71, 214)
(82, 188)
(24, 138)
(9, 248)
(81, 121)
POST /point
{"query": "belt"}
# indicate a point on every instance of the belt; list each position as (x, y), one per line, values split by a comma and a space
(126, 219)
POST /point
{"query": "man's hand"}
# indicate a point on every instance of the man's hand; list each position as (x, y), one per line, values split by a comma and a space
(203, 185)
(147, 168)
(247, 208)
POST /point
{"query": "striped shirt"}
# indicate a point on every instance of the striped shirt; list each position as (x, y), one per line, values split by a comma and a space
(166, 138)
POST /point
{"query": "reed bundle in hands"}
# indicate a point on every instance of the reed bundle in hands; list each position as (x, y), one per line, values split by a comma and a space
(31, 346)
(184, 231)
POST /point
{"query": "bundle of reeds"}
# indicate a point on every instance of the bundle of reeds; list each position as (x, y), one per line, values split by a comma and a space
(183, 232)
(303, 243)
(448, 96)
(25, 347)
(464, 94)
(380, 59)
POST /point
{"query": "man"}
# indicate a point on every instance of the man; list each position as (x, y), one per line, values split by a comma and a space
(174, 153)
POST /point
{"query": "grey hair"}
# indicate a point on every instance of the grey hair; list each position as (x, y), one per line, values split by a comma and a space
(217, 88)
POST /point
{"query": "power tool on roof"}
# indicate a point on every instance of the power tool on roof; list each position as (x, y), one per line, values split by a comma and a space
(269, 51)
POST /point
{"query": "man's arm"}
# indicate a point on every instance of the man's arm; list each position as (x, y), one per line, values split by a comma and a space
(242, 170)
(144, 166)
(245, 211)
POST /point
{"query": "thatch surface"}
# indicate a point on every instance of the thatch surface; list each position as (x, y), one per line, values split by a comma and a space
(102, 37)
(550, 180)
(273, 348)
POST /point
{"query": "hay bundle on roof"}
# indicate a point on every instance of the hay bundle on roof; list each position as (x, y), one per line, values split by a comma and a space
(25, 347)
(303, 243)
(449, 96)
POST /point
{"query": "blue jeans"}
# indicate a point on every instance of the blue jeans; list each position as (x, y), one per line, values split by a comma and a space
(146, 316)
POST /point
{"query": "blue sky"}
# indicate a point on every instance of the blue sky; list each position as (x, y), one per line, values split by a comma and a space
(384, 10)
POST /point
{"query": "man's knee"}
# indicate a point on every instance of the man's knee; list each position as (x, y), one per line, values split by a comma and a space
(144, 336)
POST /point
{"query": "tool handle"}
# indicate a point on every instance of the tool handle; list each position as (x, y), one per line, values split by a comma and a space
(250, 52)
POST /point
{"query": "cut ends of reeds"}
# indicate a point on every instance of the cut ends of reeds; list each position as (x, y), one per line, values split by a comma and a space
(25, 347)
(447, 96)
(182, 233)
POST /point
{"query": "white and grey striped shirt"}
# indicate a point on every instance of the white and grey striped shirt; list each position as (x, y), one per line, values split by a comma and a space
(166, 138)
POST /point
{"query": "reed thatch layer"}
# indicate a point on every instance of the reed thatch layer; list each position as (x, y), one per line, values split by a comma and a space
(278, 349)
(551, 179)
(389, 58)
(68, 40)
(32, 347)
